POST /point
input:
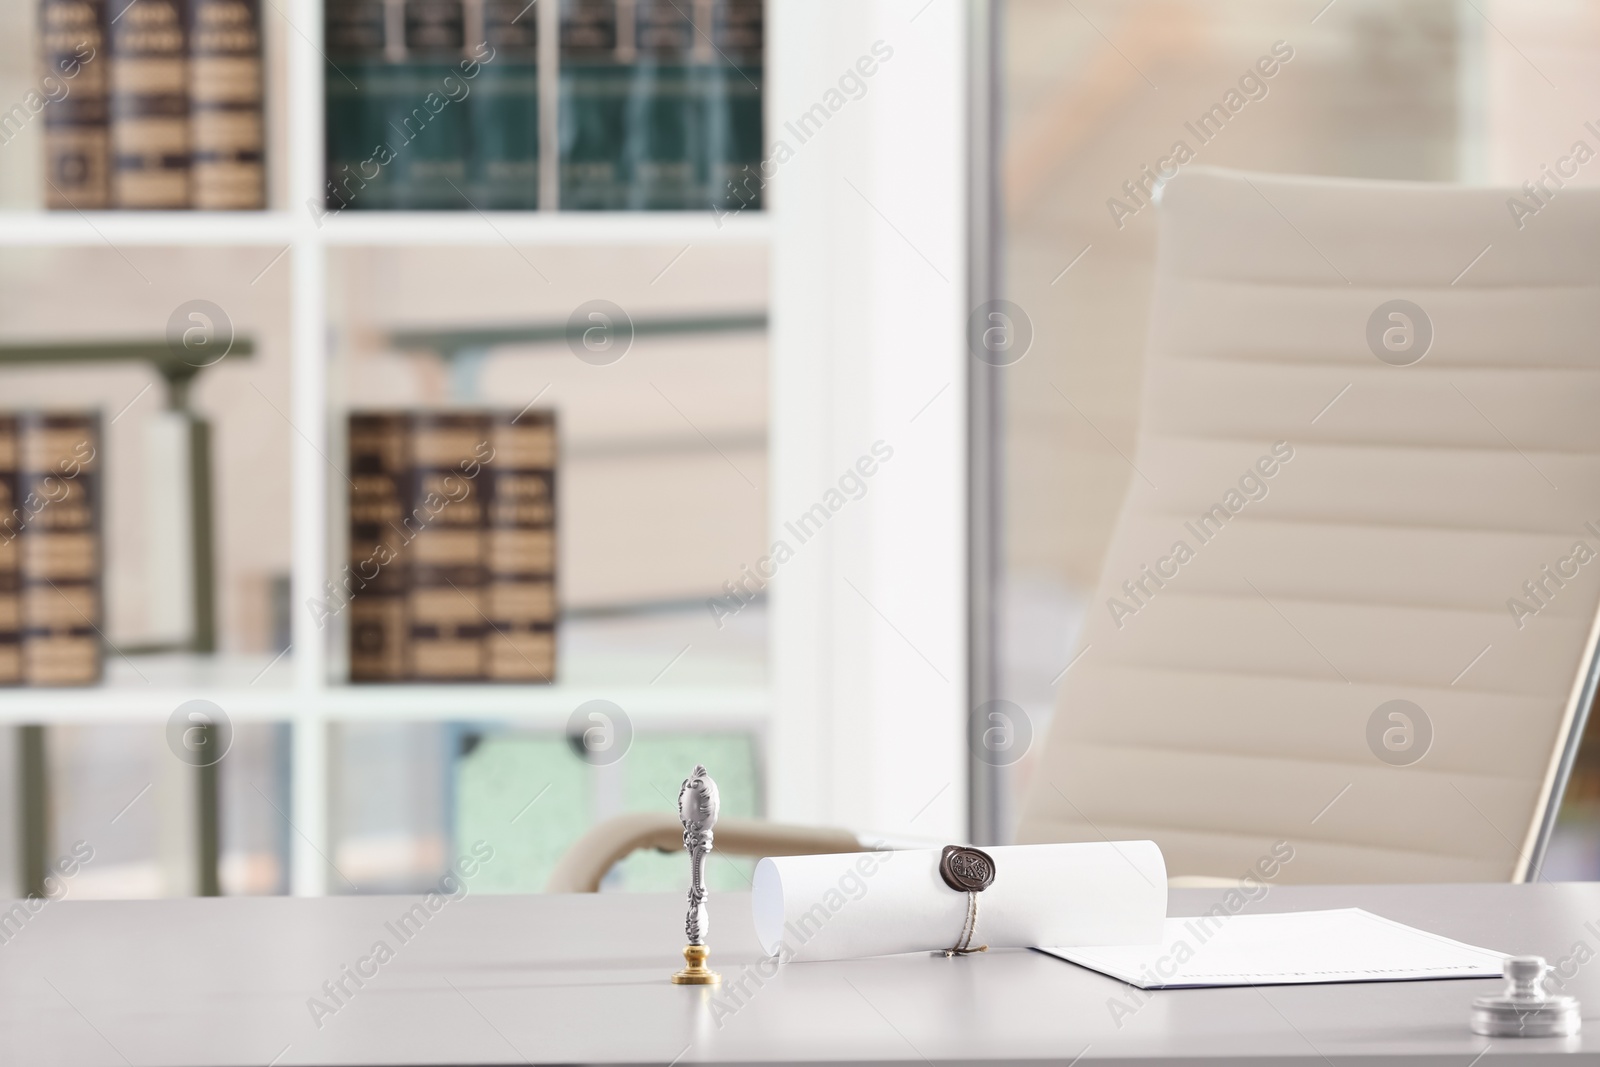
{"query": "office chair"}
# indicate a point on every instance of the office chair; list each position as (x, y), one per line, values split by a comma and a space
(1350, 602)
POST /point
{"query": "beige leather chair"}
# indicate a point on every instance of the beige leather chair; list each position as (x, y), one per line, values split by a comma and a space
(1360, 526)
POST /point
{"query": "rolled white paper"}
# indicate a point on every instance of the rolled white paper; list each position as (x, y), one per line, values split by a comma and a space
(878, 903)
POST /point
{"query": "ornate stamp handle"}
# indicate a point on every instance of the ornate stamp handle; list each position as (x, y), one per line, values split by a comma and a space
(697, 810)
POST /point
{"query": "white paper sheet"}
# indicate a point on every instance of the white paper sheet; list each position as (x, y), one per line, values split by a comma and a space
(877, 903)
(1342, 945)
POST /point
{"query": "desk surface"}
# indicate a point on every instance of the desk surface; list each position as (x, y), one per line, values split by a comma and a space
(582, 980)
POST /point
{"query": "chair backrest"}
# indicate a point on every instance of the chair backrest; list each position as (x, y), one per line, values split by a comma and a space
(1350, 602)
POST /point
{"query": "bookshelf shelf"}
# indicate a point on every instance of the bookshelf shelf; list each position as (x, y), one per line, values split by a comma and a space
(548, 707)
(662, 707)
(200, 229)
(720, 690)
(149, 687)
(542, 228)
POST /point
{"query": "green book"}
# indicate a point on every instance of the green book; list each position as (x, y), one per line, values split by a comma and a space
(356, 35)
(397, 122)
(428, 124)
(664, 132)
(503, 110)
(730, 91)
(596, 69)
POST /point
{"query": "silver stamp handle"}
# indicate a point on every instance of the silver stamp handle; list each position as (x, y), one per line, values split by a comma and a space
(698, 805)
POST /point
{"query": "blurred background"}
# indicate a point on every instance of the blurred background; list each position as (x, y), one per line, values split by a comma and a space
(598, 157)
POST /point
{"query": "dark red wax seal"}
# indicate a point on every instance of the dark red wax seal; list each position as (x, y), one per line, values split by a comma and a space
(966, 870)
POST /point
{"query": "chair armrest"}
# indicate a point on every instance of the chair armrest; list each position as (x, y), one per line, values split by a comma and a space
(588, 859)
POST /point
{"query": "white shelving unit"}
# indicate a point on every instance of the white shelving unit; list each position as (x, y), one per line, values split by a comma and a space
(862, 337)
(297, 686)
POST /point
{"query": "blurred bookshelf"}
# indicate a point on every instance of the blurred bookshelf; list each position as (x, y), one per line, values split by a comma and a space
(299, 280)
(476, 106)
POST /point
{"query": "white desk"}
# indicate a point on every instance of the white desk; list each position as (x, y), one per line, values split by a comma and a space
(582, 979)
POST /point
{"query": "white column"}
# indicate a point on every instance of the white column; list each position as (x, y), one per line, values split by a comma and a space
(308, 413)
(869, 283)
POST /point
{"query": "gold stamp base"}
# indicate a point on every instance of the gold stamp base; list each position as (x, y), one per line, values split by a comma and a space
(696, 973)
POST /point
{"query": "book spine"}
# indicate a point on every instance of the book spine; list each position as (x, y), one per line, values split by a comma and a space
(596, 66)
(664, 131)
(60, 559)
(149, 104)
(379, 630)
(445, 550)
(429, 125)
(357, 78)
(520, 517)
(225, 90)
(504, 108)
(11, 524)
(77, 134)
(731, 78)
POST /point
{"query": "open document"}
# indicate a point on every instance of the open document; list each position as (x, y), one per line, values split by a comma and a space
(1343, 945)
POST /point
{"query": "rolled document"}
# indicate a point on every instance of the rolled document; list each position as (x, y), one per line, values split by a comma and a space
(877, 903)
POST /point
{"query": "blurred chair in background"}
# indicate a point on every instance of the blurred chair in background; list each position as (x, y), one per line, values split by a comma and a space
(1350, 601)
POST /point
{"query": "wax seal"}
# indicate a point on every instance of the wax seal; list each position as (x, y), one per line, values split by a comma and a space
(970, 871)
(1525, 1009)
(966, 870)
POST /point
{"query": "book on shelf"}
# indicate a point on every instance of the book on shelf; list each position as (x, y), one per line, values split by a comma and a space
(56, 525)
(225, 97)
(731, 80)
(434, 104)
(452, 546)
(149, 104)
(444, 520)
(77, 134)
(399, 82)
(596, 68)
(520, 553)
(503, 109)
(356, 34)
(663, 128)
(158, 105)
(11, 524)
(661, 104)
(429, 122)
(378, 626)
